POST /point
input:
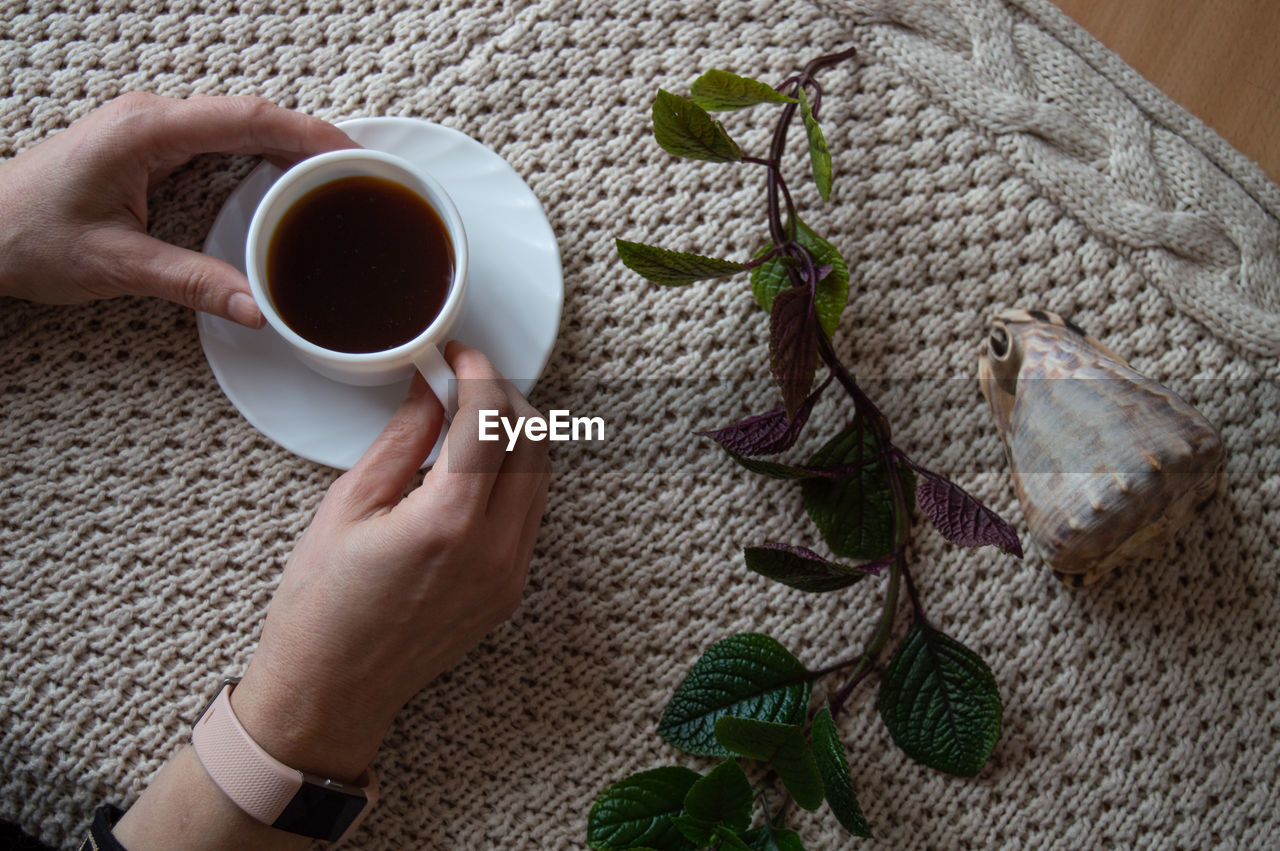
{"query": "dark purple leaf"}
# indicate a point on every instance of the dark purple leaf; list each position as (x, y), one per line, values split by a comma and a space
(758, 434)
(793, 472)
(768, 433)
(775, 470)
(793, 349)
(803, 569)
(960, 517)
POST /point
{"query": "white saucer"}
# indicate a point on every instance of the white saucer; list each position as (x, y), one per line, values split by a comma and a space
(512, 309)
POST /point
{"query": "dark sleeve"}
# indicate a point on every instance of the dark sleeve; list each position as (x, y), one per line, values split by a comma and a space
(14, 838)
(100, 838)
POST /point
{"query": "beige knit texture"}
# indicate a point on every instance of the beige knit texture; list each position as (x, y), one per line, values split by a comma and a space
(988, 154)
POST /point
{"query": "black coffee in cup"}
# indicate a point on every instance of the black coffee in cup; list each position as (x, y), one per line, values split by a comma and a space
(359, 264)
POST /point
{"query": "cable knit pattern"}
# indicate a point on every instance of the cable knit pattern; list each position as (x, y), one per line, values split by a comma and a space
(1204, 240)
(988, 154)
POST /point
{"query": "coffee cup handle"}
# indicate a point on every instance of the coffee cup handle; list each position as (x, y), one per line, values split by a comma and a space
(440, 379)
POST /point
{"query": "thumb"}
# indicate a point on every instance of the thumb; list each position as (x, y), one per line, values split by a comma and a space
(201, 282)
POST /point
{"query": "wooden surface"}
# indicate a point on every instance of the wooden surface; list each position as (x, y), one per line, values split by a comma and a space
(1218, 58)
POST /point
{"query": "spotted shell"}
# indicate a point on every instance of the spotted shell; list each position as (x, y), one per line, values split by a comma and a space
(1107, 463)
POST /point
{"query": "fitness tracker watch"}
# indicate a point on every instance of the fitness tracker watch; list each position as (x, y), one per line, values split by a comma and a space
(267, 789)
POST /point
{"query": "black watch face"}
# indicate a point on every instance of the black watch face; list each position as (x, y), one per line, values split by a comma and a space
(323, 812)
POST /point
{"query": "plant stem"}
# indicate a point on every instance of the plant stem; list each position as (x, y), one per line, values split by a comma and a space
(889, 456)
(776, 149)
(878, 639)
(861, 401)
(780, 816)
(916, 606)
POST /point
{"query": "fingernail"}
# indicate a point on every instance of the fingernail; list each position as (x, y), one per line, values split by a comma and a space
(244, 310)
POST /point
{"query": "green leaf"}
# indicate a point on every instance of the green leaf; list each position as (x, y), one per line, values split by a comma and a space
(746, 675)
(730, 841)
(819, 156)
(834, 767)
(722, 797)
(698, 831)
(702, 834)
(721, 91)
(783, 746)
(637, 811)
(685, 129)
(854, 514)
(940, 702)
(672, 268)
(803, 569)
(770, 277)
(770, 838)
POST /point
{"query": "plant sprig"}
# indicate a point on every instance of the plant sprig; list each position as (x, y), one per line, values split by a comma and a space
(747, 697)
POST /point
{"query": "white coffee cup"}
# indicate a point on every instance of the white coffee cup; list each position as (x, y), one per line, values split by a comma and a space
(362, 368)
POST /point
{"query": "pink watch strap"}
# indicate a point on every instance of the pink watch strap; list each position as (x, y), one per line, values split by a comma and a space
(259, 783)
(264, 787)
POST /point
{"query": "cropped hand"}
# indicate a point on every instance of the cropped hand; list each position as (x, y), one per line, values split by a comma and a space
(386, 591)
(383, 592)
(73, 209)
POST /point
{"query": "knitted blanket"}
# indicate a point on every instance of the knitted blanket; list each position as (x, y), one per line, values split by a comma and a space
(988, 154)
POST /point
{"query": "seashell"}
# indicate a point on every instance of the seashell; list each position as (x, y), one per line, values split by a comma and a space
(1107, 463)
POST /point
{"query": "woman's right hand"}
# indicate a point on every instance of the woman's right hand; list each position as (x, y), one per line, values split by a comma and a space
(385, 591)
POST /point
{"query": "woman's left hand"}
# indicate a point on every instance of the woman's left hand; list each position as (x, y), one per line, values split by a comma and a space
(73, 209)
